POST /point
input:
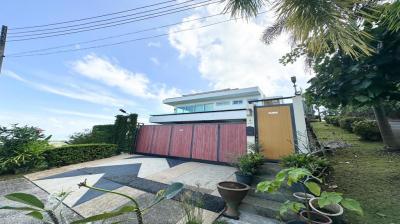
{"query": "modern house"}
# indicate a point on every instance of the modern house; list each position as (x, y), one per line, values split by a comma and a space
(226, 105)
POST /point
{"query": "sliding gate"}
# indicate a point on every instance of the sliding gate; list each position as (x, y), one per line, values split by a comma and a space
(220, 142)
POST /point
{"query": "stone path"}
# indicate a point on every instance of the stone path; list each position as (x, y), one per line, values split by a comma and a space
(140, 177)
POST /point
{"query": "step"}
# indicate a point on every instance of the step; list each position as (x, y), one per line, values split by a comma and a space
(261, 207)
(250, 218)
(270, 168)
(280, 196)
(261, 177)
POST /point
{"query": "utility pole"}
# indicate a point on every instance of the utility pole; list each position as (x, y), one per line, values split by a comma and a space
(3, 38)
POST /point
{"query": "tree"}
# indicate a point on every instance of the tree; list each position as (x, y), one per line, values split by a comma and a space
(319, 25)
(370, 80)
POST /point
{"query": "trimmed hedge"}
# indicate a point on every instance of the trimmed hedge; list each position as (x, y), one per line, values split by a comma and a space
(71, 154)
(347, 122)
(367, 130)
(334, 120)
(103, 133)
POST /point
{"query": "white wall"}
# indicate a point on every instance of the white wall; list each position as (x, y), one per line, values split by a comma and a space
(210, 116)
(300, 122)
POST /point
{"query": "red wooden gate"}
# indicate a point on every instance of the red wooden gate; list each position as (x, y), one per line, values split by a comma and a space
(221, 142)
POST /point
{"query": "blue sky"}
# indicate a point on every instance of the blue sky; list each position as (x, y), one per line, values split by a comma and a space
(69, 92)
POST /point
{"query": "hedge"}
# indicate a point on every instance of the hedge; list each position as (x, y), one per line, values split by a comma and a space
(103, 133)
(346, 122)
(71, 154)
(367, 130)
(334, 120)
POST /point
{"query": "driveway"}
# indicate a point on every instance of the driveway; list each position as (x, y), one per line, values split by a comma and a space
(139, 176)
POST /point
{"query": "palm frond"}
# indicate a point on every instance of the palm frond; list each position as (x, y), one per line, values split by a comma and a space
(273, 31)
(243, 8)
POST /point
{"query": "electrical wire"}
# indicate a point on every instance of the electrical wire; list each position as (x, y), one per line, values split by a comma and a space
(126, 41)
(154, 15)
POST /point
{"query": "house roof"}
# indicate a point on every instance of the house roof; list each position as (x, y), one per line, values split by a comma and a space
(215, 95)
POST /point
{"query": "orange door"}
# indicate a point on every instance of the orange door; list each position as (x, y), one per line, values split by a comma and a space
(275, 131)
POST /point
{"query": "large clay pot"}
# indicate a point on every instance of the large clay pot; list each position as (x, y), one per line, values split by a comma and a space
(245, 179)
(313, 217)
(232, 193)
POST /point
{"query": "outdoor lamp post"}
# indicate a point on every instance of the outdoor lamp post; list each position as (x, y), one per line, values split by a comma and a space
(293, 79)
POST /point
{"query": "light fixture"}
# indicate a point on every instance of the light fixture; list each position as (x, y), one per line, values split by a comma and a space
(293, 79)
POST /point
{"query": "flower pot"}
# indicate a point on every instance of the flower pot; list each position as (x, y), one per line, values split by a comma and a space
(232, 193)
(334, 211)
(313, 217)
(245, 179)
(303, 197)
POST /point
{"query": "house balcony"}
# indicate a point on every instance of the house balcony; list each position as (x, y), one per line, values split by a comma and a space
(207, 116)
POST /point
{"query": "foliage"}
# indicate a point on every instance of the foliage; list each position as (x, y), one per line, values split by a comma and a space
(347, 122)
(125, 132)
(249, 163)
(38, 211)
(71, 154)
(192, 204)
(367, 130)
(21, 148)
(334, 120)
(98, 134)
(318, 166)
(329, 198)
(84, 137)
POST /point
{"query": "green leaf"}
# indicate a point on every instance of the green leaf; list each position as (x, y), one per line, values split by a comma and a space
(290, 205)
(329, 198)
(106, 215)
(352, 205)
(19, 208)
(313, 187)
(361, 98)
(36, 215)
(173, 190)
(25, 199)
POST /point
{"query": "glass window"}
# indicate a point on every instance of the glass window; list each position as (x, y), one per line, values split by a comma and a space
(180, 110)
(222, 103)
(237, 102)
(189, 109)
(199, 108)
(209, 107)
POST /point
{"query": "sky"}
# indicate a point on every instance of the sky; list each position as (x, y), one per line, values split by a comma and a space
(69, 92)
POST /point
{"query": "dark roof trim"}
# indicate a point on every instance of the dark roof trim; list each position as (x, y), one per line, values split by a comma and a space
(270, 99)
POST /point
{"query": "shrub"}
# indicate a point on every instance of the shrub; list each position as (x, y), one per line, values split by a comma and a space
(317, 165)
(99, 134)
(248, 164)
(346, 122)
(334, 120)
(367, 130)
(71, 154)
(21, 148)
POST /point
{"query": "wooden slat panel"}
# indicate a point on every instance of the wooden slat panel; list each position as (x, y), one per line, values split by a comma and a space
(144, 139)
(233, 141)
(181, 140)
(160, 143)
(205, 142)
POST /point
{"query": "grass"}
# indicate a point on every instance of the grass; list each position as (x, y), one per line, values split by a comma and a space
(365, 172)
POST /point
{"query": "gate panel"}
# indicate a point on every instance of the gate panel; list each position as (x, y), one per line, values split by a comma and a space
(275, 131)
(205, 142)
(160, 142)
(144, 139)
(181, 141)
(233, 141)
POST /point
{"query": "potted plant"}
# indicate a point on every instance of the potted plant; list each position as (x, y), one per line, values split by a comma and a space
(233, 194)
(247, 165)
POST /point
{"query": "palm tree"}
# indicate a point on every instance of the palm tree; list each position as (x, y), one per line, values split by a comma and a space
(317, 25)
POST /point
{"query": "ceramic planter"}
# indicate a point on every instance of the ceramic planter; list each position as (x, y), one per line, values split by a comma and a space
(312, 217)
(232, 193)
(334, 211)
(245, 179)
(303, 197)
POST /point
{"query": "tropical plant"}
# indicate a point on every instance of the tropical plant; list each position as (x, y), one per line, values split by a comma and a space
(37, 210)
(248, 164)
(318, 166)
(192, 204)
(21, 148)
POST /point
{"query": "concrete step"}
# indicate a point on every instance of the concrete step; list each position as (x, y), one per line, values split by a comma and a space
(261, 207)
(280, 196)
(249, 218)
(261, 177)
(270, 168)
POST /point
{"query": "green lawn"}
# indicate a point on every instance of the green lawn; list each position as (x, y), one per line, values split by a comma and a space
(367, 173)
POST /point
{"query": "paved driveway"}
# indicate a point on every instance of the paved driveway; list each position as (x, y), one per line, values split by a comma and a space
(139, 176)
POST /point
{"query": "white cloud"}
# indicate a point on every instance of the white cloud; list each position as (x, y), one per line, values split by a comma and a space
(232, 55)
(74, 92)
(80, 114)
(155, 60)
(154, 44)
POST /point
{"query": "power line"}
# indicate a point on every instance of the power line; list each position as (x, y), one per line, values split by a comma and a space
(154, 15)
(88, 18)
(126, 41)
(97, 21)
(112, 37)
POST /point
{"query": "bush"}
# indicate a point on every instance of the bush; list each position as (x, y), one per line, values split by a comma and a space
(367, 130)
(71, 154)
(347, 122)
(21, 149)
(248, 164)
(317, 165)
(334, 120)
(99, 134)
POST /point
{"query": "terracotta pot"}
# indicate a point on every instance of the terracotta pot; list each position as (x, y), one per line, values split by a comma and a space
(329, 210)
(313, 217)
(303, 197)
(232, 193)
(245, 179)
